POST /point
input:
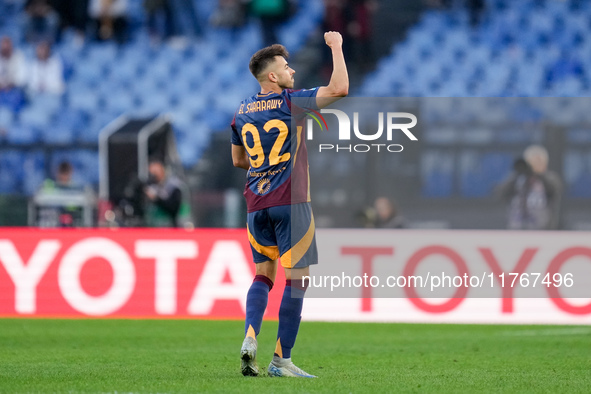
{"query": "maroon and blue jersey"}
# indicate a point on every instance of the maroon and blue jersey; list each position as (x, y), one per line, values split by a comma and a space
(278, 173)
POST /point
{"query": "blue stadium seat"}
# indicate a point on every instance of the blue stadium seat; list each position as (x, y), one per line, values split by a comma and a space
(11, 171)
(34, 168)
(20, 134)
(577, 172)
(6, 118)
(437, 174)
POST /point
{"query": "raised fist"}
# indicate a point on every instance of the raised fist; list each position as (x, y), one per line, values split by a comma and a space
(333, 39)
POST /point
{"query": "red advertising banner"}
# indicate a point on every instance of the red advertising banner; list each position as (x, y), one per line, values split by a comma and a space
(206, 273)
(127, 273)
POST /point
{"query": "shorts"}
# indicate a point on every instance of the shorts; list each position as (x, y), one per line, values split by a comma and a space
(286, 232)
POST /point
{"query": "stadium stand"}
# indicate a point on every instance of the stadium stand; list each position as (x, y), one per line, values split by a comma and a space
(530, 48)
(518, 50)
(105, 80)
(526, 48)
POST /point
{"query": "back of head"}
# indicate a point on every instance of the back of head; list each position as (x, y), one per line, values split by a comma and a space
(264, 57)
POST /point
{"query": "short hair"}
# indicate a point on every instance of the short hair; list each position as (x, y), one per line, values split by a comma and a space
(263, 57)
(64, 168)
(155, 160)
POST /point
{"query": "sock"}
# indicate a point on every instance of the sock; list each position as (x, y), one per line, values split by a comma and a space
(290, 315)
(256, 303)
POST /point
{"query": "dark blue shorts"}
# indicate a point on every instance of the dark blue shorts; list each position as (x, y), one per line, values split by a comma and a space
(286, 232)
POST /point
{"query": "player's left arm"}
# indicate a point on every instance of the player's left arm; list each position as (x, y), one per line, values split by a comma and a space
(338, 86)
(239, 157)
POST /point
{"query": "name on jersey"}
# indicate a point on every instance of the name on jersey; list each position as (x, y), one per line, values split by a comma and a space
(263, 105)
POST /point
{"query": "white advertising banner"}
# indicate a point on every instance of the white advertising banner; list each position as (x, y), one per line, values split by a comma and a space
(451, 277)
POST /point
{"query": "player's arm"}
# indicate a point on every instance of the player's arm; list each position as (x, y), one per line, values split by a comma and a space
(239, 157)
(338, 86)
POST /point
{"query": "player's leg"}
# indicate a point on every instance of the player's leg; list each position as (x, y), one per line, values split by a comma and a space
(256, 304)
(290, 316)
(296, 260)
(258, 296)
(265, 253)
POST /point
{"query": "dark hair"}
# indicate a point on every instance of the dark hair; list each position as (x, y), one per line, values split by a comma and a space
(261, 59)
(64, 168)
(155, 160)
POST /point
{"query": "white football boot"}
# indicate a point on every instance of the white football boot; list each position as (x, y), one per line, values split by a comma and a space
(283, 367)
(248, 355)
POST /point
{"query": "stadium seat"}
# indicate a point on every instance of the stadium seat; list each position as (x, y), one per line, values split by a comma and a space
(20, 134)
(34, 167)
(11, 166)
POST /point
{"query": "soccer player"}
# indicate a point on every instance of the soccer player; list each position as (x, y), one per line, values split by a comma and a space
(280, 223)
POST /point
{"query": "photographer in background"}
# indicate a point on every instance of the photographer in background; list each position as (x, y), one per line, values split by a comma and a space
(534, 193)
(164, 192)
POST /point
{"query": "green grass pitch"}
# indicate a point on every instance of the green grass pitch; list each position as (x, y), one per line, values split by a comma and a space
(187, 356)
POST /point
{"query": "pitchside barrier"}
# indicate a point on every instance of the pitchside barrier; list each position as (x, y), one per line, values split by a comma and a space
(363, 275)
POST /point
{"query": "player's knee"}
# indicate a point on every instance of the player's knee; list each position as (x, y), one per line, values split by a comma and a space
(268, 269)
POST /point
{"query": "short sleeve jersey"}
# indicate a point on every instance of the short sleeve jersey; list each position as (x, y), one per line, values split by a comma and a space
(276, 149)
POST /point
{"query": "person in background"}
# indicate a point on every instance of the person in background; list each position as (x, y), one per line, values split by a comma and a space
(185, 9)
(534, 193)
(60, 212)
(387, 215)
(12, 75)
(160, 19)
(475, 10)
(110, 19)
(382, 214)
(271, 14)
(164, 192)
(353, 19)
(41, 21)
(229, 13)
(63, 178)
(74, 14)
(45, 73)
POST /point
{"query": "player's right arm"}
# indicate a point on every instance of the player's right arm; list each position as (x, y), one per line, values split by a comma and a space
(239, 157)
(338, 86)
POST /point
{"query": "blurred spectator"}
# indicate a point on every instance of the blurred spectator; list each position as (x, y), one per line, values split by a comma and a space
(185, 10)
(12, 75)
(72, 13)
(41, 21)
(271, 13)
(334, 16)
(61, 203)
(387, 215)
(229, 13)
(353, 19)
(109, 18)
(475, 9)
(534, 193)
(63, 177)
(359, 32)
(165, 193)
(160, 19)
(383, 214)
(45, 74)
